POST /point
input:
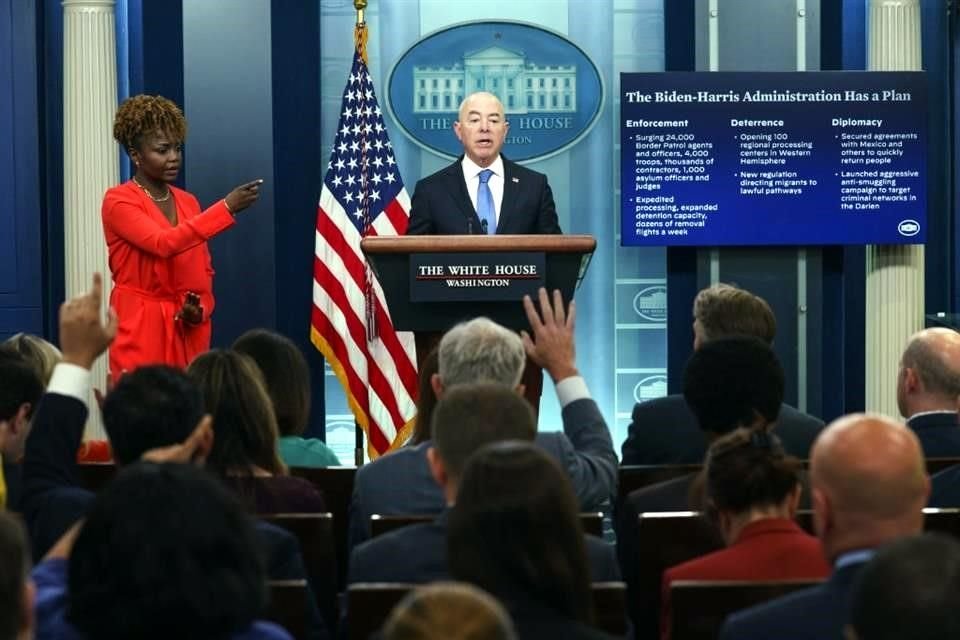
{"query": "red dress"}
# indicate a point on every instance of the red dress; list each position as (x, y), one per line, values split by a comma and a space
(154, 264)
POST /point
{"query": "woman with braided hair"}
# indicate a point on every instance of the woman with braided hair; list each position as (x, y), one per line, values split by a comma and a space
(157, 241)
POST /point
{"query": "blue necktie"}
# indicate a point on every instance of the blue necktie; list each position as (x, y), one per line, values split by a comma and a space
(488, 217)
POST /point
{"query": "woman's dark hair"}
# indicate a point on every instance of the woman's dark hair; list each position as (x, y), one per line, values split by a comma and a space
(244, 427)
(748, 468)
(165, 552)
(286, 375)
(515, 531)
(426, 398)
(143, 115)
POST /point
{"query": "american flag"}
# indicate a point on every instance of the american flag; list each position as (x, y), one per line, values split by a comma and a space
(362, 195)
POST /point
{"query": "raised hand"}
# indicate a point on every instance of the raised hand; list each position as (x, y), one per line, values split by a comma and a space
(83, 334)
(243, 196)
(194, 449)
(552, 344)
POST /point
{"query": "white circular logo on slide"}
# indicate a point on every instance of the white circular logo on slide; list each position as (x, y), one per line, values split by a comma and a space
(650, 388)
(908, 228)
(651, 303)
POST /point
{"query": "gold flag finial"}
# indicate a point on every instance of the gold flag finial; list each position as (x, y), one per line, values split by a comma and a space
(360, 31)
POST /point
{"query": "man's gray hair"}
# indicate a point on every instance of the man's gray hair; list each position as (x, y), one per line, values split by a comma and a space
(481, 351)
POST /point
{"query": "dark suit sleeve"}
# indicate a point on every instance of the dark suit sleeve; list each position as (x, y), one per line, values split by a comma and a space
(49, 460)
(547, 221)
(421, 215)
(587, 454)
(632, 448)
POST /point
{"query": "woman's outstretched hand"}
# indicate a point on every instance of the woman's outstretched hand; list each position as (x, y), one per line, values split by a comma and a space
(243, 196)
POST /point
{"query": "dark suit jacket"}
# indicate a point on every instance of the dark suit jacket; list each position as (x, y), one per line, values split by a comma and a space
(819, 613)
(442, 206)
(400, 483)
(53, 500)
(665, 431)
(945, 488)
(939, 433)
(418, 554)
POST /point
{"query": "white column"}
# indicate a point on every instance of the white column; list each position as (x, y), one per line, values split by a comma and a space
(895, 279)
(90, 162)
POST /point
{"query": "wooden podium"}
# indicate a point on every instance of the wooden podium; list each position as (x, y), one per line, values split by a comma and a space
(561, 260)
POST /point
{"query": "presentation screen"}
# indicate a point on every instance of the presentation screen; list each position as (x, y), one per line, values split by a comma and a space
(801, 158)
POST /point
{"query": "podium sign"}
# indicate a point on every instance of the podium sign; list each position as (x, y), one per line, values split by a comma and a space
(563, 261)
(461, 277)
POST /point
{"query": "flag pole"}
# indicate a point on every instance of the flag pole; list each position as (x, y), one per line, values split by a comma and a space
(360, 41)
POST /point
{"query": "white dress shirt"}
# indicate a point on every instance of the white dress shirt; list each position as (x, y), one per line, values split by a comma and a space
(471, 175)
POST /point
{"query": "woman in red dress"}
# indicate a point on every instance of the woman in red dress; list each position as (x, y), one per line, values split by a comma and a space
(157, 240)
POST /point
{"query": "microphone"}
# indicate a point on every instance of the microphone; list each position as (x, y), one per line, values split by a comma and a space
(483, 227)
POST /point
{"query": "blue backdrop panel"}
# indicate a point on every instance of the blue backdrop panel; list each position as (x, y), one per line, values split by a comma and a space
(20, 221)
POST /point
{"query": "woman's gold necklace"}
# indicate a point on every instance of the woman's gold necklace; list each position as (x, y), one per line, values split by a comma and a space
(162, 198)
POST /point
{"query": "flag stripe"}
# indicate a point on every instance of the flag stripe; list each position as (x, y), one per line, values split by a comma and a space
(351, 305)
(331, 241)
(362, 195)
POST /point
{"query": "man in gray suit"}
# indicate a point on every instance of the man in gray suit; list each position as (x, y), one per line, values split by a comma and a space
(665, 431)
(482, 351)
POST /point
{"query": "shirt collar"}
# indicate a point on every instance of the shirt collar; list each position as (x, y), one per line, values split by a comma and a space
(938, 412)
(471, 168)
(857, 556)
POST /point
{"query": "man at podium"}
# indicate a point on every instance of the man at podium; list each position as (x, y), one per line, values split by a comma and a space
(483, 192)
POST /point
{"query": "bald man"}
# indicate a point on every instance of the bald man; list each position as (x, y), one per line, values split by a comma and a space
(869, 487)
(928, 385)
(483, 192)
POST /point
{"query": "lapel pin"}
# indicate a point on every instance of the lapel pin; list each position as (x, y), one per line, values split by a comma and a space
(516, 179)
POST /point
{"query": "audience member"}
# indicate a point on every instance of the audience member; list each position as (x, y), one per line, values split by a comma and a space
(449, 611)
(42, 356)
(20, 391)
(148, 412)
(483, 351)
(466, 418)
(164, 552)
(910, 589)
(287, 378)
(515, 533)
(426, 398)
(16, 590)
(244, 451)
(39, 353)
(664, 431)
(752, 492)
(928, 385)
(869, 488)
(729, 383)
